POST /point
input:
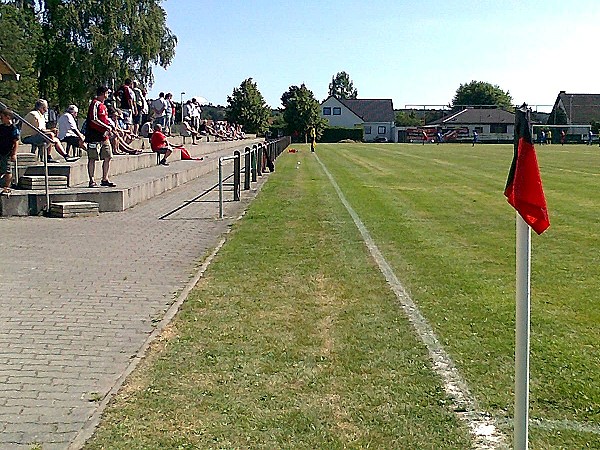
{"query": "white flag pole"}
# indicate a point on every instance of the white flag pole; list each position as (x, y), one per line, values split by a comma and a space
(523, 278)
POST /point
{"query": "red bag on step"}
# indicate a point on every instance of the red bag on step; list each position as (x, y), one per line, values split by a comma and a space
(185, 155)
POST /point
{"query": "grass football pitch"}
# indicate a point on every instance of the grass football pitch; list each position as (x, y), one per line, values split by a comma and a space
(293, 339)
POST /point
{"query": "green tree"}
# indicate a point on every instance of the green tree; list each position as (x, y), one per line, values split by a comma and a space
(20, 35)
(558, 117)
(481, 93)
(213, 112)
(288, 95)
(342, 87)
(302, 111)
(90, 42)
(404, 119)
(247, 107)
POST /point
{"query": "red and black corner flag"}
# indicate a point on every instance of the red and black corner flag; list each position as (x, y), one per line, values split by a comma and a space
(524, 185)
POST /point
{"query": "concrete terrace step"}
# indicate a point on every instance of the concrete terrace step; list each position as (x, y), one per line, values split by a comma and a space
(136, 178)
(39, 182)
(73, 209)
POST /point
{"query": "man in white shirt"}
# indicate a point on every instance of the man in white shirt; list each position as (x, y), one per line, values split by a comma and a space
(159, 107)
(31, 136)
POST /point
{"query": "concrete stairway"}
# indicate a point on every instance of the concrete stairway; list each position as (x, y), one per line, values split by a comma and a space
(138, 178)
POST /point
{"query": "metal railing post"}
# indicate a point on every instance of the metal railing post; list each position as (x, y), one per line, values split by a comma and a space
(259, 157)
(236, 176)
(254, 152)
(47, 184)
(220, 188)
(247, 158)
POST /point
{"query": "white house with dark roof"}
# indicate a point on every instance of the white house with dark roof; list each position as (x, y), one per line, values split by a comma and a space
(375, 116)
(491, 124)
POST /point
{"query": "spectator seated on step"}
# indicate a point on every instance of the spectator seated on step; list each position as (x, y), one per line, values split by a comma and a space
(203, 130)
(121, 138)
(215, 129)
(68, 131)
(238, 133)
(187, 130)
(33, 137)
(160, 145)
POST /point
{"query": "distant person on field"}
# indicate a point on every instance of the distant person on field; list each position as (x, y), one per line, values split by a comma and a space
(424, 134)
(160, 145)
(475, 138)
(9, 142)
(590, 137)
(562, 137)
(313, 138)
(549, 137)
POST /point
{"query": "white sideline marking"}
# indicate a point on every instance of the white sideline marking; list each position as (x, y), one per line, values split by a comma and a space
(482, 425)
(564, 425)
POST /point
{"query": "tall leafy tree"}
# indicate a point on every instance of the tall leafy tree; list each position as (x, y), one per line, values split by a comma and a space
(302, 111)
(341, 86)
(247, 107)
(90, 42)
(288, 95)
(20, 35)
(481, 93)
(405, 119)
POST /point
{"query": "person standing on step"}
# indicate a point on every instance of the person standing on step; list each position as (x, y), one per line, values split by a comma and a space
(160, 145)
(159, 109)
(127, 102)
(97, 135)
(9, 141)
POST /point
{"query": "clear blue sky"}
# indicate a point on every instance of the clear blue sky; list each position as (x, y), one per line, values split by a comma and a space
(414, 52)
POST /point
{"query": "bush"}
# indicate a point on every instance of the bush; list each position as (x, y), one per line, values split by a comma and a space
(336, 134)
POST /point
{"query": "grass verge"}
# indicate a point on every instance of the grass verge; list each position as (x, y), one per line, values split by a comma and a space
(292, 340)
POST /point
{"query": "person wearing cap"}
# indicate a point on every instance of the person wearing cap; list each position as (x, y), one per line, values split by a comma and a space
(68, 131)
(9, 142)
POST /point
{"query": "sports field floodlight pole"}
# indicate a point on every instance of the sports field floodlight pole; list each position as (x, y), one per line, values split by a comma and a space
(181, 102)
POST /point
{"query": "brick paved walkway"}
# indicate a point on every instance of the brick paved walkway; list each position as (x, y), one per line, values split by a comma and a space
(79, 298)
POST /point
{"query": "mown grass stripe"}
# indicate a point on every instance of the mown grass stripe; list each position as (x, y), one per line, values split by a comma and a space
(482, 425)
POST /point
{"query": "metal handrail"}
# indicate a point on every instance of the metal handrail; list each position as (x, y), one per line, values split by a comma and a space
(45, 159)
